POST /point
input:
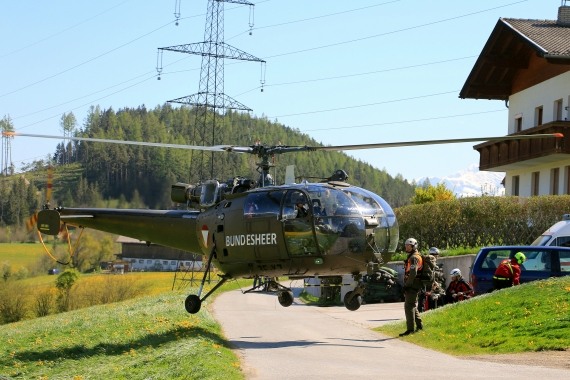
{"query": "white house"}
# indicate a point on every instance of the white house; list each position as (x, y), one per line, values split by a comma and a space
(151, 257)
(526, 64)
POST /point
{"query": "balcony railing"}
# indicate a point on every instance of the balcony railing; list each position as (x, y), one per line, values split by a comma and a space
(515, 154)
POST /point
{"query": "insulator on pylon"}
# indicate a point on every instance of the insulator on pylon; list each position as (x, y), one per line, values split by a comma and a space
(159, 63)
(251, 17)
(177, 11)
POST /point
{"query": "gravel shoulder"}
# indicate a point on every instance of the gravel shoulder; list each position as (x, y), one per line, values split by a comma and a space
(549, 359)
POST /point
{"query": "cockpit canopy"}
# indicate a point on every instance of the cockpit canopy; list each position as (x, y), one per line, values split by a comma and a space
(328, 203)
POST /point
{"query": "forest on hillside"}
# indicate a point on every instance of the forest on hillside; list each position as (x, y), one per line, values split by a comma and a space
(141, 176)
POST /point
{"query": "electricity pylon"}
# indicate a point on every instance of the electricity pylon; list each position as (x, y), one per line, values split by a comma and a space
(210, 96)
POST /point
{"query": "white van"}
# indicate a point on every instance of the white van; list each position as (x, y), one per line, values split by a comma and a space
(558, 234)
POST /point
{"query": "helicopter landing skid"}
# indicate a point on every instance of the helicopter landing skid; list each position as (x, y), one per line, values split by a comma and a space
(193, 303)
(353, 299)
(267, 284)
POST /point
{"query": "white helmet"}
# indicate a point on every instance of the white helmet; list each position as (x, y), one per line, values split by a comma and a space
(434, 251)
(455, 272)
(411, 241)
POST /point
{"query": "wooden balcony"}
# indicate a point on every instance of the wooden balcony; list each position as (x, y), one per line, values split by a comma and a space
(507, 155)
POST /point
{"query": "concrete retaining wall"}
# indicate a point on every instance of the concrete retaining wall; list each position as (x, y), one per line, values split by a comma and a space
(464, 264)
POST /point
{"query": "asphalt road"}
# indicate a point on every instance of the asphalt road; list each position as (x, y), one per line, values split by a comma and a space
(302, 342)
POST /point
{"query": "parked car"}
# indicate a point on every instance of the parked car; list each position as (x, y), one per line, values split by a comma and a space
(558, 234)
(541, 262)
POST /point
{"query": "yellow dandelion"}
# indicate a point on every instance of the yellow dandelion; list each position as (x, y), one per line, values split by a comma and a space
(186, 324)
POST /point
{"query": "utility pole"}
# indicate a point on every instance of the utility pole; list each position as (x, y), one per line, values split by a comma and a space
(6, 154)
(7, 130)
(210, 97)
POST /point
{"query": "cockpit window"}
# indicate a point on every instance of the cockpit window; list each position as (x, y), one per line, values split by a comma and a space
(331, 202)
(328, 201)
(369, 203)
(265, 203)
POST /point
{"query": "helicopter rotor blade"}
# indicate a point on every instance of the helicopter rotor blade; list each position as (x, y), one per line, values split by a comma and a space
(435, 142)
(213, 148)
(284, 149)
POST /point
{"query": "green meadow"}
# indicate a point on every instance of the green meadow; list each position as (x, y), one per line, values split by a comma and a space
(21, 254)
(531, 317)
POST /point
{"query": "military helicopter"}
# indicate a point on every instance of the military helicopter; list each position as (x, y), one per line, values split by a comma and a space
(250, 229)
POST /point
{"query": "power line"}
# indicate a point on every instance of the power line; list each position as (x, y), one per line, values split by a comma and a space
(365, 105)
(268, 85)
(316, 17)
(83, 63)
(405, 121)
(274, 56)
(65, 30)
(359, 74)
(392, 32)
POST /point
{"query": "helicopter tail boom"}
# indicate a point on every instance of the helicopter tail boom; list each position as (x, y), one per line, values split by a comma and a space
(171, 228)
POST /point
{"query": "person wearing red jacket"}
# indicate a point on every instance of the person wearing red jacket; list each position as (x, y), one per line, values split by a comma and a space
(458, 289)
(508, 273)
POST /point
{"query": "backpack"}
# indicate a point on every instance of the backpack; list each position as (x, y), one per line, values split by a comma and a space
(427, 273)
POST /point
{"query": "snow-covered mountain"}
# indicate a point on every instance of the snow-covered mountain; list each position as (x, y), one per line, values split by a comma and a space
(470, 182)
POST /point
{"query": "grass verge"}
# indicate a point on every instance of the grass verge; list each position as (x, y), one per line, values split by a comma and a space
(151, 337)
(531, 317)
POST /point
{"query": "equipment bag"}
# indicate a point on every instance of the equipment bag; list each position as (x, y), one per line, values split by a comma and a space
(427, 273)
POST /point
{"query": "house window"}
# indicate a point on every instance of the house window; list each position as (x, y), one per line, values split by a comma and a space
(558, 110)
(538, 116)
(518, 123)
(516, 181)
(149, 261)
(141, 261)
(535, 181)
(554, 181)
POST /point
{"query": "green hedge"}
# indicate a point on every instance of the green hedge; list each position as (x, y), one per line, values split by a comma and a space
(480, 221)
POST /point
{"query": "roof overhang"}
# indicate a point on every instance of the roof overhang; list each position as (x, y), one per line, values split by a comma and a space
(513, 47)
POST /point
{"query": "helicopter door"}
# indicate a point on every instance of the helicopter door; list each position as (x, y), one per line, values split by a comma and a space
(298, 225)
(262, 225)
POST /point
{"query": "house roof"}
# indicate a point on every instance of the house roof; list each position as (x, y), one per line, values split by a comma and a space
(512, 48)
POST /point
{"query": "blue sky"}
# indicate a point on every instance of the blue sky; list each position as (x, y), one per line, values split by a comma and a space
(341, 72)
